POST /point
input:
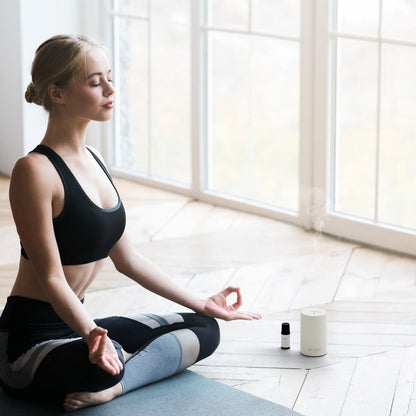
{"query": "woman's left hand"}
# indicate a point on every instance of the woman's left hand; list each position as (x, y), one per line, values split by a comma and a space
(102, 351)
(216, 306)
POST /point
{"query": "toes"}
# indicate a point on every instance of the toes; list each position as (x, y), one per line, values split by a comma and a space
(72, 403)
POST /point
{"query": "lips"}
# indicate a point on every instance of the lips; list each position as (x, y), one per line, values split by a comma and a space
(109, 105)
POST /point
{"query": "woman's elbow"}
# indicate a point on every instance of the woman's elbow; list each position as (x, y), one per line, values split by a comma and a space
(121, 263)
(122, 267)
(121, 255)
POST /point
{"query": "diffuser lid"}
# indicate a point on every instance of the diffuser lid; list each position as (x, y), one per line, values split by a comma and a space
(314, 312)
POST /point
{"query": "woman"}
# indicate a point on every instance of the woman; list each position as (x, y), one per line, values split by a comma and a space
(69, 217)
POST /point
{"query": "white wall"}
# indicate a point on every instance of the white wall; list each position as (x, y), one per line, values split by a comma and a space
(39, 20)
(24, 25)
(11, 105)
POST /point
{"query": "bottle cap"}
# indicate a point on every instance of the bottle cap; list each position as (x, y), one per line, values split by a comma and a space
(285, 328)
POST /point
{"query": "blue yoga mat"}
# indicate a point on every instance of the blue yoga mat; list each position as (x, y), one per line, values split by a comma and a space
(186, 394)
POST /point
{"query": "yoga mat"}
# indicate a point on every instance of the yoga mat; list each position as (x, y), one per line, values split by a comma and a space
(186, 394)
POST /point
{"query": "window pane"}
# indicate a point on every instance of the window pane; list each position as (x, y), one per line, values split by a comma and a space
(356, 128)
(136, 7)
(397, 199)
(229, 112)
(399, 17)
(358, 17)
(230, 14)
(132, 95)
(275, 122)
(254, 118)
(170, 87)
(277, 17)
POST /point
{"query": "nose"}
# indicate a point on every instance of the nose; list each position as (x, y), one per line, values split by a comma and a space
(109, 89)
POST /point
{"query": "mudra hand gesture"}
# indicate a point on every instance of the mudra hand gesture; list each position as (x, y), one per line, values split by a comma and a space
(216, 306)
(102, 351)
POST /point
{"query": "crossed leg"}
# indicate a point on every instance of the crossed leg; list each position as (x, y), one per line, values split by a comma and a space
(153, 348)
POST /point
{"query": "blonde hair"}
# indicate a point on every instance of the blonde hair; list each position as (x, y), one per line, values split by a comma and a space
(56, 61)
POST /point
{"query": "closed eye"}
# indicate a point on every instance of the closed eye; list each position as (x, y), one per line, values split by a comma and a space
(97, 84)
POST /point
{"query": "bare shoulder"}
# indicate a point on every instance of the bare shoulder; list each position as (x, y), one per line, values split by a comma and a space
(32, 175)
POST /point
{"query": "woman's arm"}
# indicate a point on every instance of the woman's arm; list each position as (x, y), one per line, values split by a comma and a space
(148, 275)
(32, 186)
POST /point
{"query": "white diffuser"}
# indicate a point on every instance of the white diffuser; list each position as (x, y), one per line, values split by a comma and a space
(313, 338)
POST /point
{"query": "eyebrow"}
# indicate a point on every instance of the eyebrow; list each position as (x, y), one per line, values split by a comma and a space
(97, 73)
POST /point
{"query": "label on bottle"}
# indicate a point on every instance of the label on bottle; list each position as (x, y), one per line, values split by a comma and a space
(285, 342)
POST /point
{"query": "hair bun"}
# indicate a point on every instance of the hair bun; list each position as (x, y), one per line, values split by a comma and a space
(30, 93)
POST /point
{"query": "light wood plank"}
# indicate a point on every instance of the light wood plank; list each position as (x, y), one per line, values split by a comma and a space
(109, 278)
(144, 221)
(205, 285)
(136, 193)
(282, 281)
(324, 390)
(186, 222)
(397, 282)
(209, 283)
(373, 385)
(361, 306)
(218, 219)
(363, 274)
(321, 278)
(267, 286)
(8, 275)
(127, 300)
(404, 402)
(9, 245)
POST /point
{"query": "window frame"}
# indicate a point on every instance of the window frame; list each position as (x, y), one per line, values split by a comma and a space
(327, 220)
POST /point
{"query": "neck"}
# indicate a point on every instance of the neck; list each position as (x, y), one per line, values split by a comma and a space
(66, 135)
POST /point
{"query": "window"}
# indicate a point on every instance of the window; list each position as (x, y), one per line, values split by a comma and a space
(247, 93)
(375, 98)
(153, 62)
(253, 100)
(303, 111)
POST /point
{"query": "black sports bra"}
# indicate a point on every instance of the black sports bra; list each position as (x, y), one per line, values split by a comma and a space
(84, 231)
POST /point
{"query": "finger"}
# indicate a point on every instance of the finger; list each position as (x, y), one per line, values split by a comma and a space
(254, 315)
(251, 314)
(237, 304)
(113, 366)
(97, 352)
(106, 365)
(109, 368)
(117, 364)
(102, 346)
(247, 316)
(99, 331)
(233, 289)
(95, 343)
(113, 369)
(230, 289)
(243, 316)
(95, 335)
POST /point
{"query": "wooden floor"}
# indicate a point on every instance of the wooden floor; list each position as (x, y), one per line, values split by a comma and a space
(370, 296)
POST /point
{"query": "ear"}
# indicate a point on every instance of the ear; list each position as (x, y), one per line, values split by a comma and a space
(55, 94)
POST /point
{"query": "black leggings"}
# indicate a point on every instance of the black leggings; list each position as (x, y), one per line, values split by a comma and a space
(59, 364)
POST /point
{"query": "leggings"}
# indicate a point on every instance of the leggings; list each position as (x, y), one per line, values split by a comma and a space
(57, 363)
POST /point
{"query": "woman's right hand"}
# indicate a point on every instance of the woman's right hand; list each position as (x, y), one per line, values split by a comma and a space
(102, 351)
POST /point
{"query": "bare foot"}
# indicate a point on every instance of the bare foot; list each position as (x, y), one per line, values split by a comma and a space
(75, 401)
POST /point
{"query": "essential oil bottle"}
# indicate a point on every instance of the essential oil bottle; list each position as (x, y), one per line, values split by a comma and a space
(285, 337)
